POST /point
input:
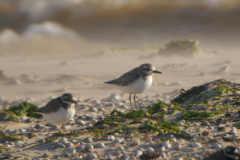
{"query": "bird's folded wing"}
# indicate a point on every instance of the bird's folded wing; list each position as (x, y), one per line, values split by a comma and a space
(52, 106)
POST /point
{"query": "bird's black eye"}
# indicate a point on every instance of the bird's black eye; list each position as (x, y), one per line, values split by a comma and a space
(148, 69)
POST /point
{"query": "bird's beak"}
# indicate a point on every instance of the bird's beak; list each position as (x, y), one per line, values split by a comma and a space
(158, 72)
(74, 101)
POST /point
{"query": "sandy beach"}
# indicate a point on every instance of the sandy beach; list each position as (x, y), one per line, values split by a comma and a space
(46, 57)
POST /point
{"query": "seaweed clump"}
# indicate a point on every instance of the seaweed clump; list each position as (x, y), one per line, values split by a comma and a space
(2, 149)
(210, 91)
(9, 137)
(182, 47)
(23, 109)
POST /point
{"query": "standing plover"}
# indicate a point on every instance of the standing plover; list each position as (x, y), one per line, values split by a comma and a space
(59, 110)
(135, 81)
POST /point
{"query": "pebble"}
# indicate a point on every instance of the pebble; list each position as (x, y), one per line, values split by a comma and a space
(196, 144)
(41, 141)
(31, 135)
(162, 149)
(59, 145)
(88, 140)
(166, 144)
(91, 156)
(69, 145)
(119, 148)
(49, 124)
(134, 144)
(92, 109)
(216, 146)
(233, 131)
(111, 138)
(99, 145)
(80, 122)
(177, 146)
(205, 133)
(22, 130)
(88, 146)
(138, 153)
(205, 123)
(109, 157)
(114, 97)
(150, 150)
(39, 126)
(109, 105)
(63, 140)
(123, 106)
(81, 147)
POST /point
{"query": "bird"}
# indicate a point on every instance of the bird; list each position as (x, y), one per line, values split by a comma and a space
(229, 153)
(135, 81)
(59, 110)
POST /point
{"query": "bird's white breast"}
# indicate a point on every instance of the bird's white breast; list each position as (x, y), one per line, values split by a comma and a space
(137, 86)
(61, 116)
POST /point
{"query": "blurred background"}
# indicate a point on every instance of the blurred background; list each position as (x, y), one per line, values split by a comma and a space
(89, 26)
(48, 47)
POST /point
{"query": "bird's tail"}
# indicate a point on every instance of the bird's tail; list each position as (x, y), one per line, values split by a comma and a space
(110, 82)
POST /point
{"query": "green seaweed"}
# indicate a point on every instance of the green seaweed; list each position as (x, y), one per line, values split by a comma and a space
(182, 47)
(24, 109)
(10, 137)
(156, 107)
(195, 115)
(2, 74)
(162, 127)
(2, 149)
(221, 89)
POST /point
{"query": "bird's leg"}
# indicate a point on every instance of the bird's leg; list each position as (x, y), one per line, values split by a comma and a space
(130, 101)
(59, 127)
(134, 98)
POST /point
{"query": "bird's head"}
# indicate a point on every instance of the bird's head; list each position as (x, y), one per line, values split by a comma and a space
(149, 69)
(68, 97)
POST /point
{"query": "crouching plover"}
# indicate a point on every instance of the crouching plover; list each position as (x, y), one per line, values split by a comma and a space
(59, 110)
(135, 81)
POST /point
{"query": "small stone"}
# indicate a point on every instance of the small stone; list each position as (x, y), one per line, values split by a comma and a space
(69, 145)
(109, 157)
(111, 138)
(91, 156)
(205, 123)
(88, 140)
(216, 146)
(31, 135)
(88, 146)
(177, 146)
(92, 109)
(119, 148)
(39, 126)
(63, 140)
(81, 147)
(205, 133)
(150, 150)
(22, 130)
(138, 153)
(166, 144)
(196, 144)
(114, 97)
(80, 122)
(41, 141)
(99, 145)
(49, 124)
(109, 105)
(134, 144)
(59, 145)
